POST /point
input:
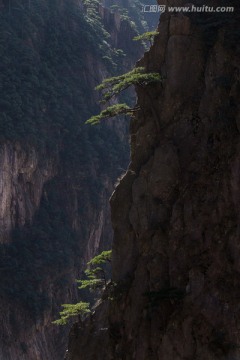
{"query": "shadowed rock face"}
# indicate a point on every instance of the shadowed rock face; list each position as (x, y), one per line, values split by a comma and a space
(176, 212)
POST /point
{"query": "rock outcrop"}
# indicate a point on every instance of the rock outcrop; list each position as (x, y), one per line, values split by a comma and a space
(175, 213)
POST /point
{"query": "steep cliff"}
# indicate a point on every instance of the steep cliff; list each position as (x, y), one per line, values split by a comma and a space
(175, 213)
(56, 173)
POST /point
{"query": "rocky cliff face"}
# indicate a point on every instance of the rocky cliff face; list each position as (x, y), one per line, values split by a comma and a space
(175, 212)
(56, 174)
(23, 176)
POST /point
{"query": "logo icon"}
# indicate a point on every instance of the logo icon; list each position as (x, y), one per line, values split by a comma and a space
(161, 8)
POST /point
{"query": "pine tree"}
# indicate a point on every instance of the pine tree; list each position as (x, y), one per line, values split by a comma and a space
(96, 280)
(112, 87)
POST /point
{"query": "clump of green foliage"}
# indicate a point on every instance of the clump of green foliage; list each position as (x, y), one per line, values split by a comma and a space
(111, 111)
(96, 279)
(69, 310)
(96, 274)
(147, 36)
(112, 87)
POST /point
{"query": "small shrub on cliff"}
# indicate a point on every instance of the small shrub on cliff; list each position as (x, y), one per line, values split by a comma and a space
(96, 280)
(96, 273)
(109, 112)
(69, 310)
(112, 87)
(147, 36)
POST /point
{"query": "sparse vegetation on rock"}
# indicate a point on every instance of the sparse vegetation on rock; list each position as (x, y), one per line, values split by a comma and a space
(96, 279)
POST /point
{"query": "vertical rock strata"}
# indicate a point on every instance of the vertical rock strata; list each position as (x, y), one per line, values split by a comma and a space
(22, 178)
(175, 213)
